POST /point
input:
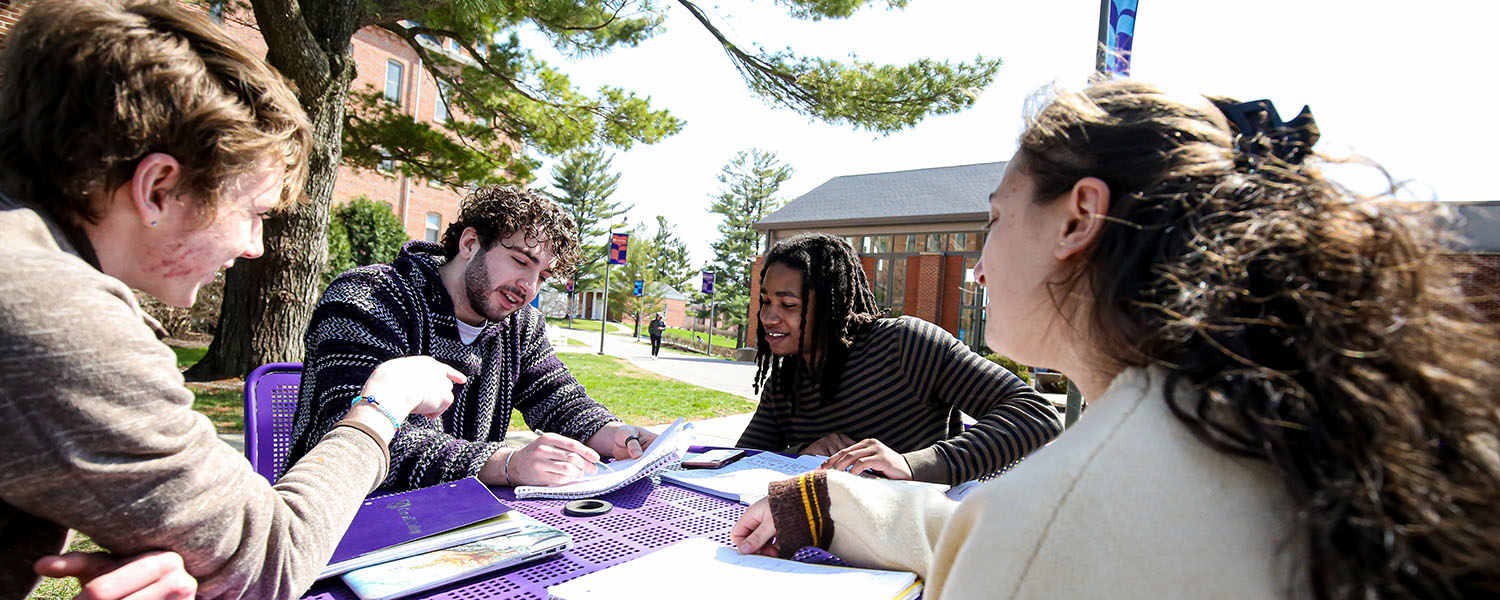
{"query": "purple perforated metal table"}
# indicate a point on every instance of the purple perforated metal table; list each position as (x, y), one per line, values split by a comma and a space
(647, 515)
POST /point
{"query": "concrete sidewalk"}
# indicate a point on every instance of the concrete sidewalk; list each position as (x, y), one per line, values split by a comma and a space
(713, 373)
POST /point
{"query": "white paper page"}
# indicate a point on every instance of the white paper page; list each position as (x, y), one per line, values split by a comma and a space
(668, 448)
(698, 568)
(746, 479)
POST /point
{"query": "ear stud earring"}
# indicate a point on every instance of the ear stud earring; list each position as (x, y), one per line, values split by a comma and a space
(153, 223)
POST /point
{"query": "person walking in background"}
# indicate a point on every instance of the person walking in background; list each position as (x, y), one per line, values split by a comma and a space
(1290, 395)
(837, 379)
(141, 148)
(657, 327)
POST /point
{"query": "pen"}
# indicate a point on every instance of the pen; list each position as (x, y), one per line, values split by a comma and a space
(597, 463)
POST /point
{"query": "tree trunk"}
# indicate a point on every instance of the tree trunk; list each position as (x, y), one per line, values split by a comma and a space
(269, 300)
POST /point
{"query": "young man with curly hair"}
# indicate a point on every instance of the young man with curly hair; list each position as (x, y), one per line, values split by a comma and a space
(466, 303)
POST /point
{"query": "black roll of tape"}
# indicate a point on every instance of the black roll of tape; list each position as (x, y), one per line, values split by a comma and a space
(587, 508)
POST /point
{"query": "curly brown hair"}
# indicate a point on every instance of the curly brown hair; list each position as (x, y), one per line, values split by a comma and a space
(1319, 329)
(92, 86)
(497, 211)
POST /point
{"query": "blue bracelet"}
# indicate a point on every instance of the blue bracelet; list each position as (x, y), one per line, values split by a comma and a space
(383, 411)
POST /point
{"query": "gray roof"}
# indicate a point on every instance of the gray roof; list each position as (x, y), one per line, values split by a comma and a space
(1478, 226)
(939, 194)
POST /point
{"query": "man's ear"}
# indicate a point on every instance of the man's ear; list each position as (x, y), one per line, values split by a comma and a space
(468, 243)
(153, 186)
(1087, 211)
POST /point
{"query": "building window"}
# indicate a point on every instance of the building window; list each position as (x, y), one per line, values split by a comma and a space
(972, 300)
(434, 222)
(934, 242)
(904, 244)
(386, 165)
(898, 281)
(882, 283)
(440, 112)
(395, 76)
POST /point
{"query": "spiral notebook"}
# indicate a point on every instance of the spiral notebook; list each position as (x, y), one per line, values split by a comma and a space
(667, 450)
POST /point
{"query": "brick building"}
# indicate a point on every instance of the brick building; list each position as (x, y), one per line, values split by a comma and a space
(919, 234)
(385, 63)
(10, 10)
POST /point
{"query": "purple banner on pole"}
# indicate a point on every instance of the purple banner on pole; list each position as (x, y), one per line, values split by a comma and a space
(1119, 37)
(708, 282)
(617, 244)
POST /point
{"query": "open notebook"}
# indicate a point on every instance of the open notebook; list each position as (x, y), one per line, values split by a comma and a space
(667, 450)
(699, 568)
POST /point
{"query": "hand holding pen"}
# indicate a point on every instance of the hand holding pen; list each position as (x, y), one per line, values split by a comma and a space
(551, 459)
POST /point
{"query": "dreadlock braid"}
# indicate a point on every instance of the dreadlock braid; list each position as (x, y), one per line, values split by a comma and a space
(835, 286)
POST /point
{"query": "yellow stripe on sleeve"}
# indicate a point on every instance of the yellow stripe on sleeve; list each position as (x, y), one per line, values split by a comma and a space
(812, 525)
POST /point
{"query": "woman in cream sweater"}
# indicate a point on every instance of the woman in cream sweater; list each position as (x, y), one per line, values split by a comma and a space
(1288, 398)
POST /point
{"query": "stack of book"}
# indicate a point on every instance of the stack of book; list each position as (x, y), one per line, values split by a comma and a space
(417, 540)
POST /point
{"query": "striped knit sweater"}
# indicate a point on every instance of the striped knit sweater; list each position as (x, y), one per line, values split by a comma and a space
(901, 383)
(376, 313)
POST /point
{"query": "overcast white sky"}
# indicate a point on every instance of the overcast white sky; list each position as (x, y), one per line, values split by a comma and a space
(1409, 84)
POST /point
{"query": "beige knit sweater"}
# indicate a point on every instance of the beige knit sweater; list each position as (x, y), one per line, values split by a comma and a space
(1126, 504)
(101, 437)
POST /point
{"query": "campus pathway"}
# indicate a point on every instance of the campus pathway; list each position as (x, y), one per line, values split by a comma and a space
(717, 374)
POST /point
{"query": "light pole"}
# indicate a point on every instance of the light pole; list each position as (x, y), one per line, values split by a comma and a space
(604, 318)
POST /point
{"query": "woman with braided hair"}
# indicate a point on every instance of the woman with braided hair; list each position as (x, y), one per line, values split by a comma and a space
(1289, 397)
(877, 394)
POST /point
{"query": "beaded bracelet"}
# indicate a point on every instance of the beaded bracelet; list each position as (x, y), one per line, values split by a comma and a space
(383, 411)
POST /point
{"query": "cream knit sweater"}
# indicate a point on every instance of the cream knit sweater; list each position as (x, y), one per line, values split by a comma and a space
(1126, 504)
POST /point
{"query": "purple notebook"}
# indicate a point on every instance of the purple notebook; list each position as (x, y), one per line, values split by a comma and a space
(400, 518)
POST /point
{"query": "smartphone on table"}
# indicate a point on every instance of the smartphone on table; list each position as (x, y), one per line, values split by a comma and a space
(712, 459)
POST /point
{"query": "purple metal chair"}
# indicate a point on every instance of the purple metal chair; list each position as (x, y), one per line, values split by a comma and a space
(270, 403)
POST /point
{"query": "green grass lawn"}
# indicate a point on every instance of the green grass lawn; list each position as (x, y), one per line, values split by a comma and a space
(67, 587)
(226, 408)
(588, 325)
(719, 340)
(187, 357)
(640, 397)
(575, 342)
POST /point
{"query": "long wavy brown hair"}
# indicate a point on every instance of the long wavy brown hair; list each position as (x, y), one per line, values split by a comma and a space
(1320, 330)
